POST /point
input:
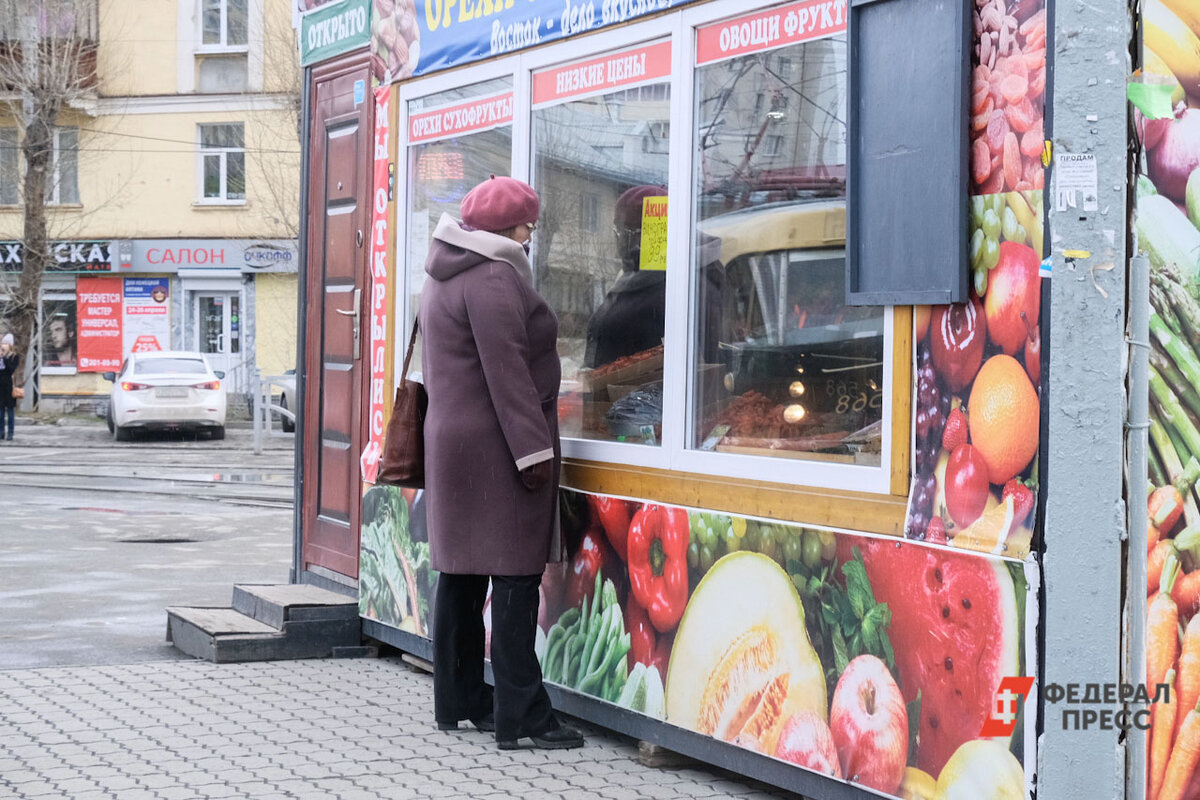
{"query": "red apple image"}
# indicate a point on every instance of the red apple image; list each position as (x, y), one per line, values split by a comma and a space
(957, 333)
(807, 741)
(869, 722)
(1013, 287)
(967, 488)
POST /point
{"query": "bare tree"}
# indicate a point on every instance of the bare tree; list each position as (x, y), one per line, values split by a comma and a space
(48, 57)
(273, 139)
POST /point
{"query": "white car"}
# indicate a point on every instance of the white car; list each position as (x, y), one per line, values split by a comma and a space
(166, 390)
(287, 399)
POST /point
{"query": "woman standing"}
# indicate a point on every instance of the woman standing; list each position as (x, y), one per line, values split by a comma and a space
(491, 368)
(8, 372)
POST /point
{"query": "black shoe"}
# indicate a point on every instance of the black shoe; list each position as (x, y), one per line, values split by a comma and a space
(561, 738)
(486, 724)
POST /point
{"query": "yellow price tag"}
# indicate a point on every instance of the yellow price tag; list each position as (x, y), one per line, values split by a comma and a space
(654, 234)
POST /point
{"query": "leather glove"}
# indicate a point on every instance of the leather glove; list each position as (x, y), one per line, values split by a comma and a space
(536, 475)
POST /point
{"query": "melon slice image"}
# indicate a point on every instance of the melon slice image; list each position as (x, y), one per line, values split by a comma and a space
(955, 632)
(742, 664)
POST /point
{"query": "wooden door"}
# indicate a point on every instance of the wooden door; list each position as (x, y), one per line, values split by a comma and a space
(339, 217)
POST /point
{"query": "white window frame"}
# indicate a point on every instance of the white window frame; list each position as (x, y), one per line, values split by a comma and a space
(678, 382)
(203, 151)
(54, 190)
(223, 46)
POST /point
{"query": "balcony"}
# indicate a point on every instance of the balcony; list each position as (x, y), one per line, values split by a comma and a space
(66, 31)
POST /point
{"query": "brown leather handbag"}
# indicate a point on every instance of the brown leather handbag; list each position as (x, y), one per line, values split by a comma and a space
(403, 461)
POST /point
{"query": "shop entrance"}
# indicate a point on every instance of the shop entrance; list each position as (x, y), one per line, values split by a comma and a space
(218, 318)
(339, 178)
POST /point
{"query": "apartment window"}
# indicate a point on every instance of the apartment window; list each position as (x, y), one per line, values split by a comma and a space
(589, 212)
(64, 176)
(9, 158)
(223, 162)
(224, 23)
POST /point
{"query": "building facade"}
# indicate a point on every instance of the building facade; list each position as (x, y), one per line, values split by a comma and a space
(172, 208)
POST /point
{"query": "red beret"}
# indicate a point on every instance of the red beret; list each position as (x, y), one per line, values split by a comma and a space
(500, 203)
(628, 213)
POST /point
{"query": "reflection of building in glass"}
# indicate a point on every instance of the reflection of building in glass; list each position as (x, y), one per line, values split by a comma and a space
(772, 127)
(587, 153)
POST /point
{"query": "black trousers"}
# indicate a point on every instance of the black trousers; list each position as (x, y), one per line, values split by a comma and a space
(519, 701)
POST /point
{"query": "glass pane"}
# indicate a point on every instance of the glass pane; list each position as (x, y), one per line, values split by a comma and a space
(221, 135)
(235, 325)
(236, 20)
(212, 176)
(8, 166)
(159, 366)
(235, 176)
(600, 167)
(58, 333)
(211, 22)
(781, 365)
(212, 324)
(441, 172)
(68, 165)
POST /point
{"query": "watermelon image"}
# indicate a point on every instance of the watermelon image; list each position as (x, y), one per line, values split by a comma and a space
(956, 633)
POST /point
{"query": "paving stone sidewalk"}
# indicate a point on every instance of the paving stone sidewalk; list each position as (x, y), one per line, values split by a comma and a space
(347, 729)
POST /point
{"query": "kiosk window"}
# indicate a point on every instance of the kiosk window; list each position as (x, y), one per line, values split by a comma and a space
(781, 365)
(600, 168)
(458, 138)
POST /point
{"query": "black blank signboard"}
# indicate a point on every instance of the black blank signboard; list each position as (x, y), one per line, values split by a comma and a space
(909, 83)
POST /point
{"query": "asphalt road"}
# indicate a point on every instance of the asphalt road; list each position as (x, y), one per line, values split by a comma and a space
(97, 538)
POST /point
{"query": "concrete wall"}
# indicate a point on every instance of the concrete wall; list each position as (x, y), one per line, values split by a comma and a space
(1085, 517)
(275, 323)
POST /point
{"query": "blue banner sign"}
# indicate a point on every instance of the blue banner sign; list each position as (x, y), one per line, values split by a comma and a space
(418, 37)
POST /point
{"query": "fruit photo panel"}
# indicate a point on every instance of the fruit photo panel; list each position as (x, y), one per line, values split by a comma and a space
(871, 659)
(395, 581)
(979, 389)
(1167, 222)
(1008, 95)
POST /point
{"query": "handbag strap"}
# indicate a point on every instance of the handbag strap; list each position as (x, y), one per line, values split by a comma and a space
(412, 340)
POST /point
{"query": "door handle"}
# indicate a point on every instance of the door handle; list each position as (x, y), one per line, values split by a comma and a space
(356, 314)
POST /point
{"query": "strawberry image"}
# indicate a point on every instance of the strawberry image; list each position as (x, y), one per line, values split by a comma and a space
(1022, 497)
(955, 432)
(936, 532)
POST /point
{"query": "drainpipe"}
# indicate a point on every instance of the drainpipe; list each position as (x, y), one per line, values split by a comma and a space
(1135, 448)
(301, 316)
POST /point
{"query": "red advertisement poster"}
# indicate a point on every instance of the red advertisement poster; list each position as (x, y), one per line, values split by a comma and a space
(100, 331)
(603, 74)
(476, 115)
(791, 24)
(378, 306)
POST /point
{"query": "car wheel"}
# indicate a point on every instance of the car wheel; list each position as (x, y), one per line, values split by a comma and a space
(217, 433)
(122, 434)
(289, 426)
(108, 419)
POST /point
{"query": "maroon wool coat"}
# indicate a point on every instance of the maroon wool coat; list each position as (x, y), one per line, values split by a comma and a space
(490, 365)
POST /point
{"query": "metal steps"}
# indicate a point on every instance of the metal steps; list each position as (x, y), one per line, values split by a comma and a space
(268, 623)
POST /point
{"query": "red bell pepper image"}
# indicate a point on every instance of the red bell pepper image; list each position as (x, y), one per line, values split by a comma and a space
(646, 645)
(588, 560)
(658, 571)
(614, 515)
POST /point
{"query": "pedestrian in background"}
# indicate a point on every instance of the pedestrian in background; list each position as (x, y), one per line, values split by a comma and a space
(491, 369)
(8, 374)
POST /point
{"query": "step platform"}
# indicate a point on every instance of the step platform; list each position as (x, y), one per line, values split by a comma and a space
(268, 623)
